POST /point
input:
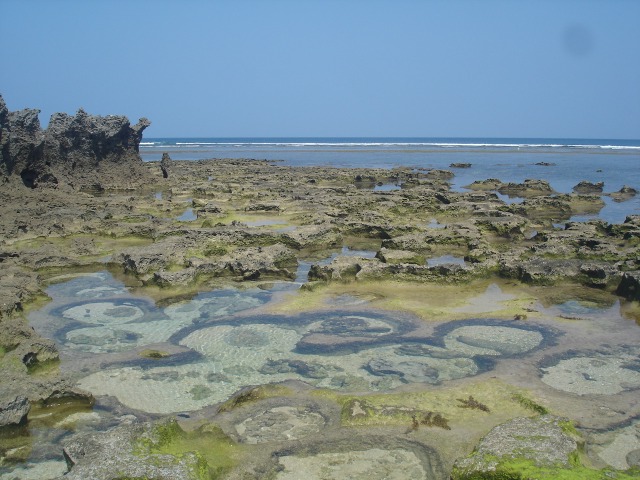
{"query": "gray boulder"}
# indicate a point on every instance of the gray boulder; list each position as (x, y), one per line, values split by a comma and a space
(540, 440)
(13, 410)
(111, 454)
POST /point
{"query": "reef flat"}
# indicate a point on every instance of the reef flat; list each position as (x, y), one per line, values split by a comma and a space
(247, 319)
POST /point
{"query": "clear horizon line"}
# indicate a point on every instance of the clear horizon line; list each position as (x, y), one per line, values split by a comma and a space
(398, 137)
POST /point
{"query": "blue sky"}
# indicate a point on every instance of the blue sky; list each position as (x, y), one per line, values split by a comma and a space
(331, 68)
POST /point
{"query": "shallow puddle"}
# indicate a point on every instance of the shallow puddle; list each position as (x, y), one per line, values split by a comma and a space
(188, 216)
(387, 187)
(445, 260)
(435, 224)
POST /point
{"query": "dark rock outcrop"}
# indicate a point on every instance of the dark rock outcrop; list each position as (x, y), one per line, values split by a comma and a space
(82, 150)
(624, 194)
(4, 139)
(14, 410)
(165, 165)
(629, 286)
(25, 144)
(588, 187)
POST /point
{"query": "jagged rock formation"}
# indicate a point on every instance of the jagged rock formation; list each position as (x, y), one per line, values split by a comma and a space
(4, 137)
(81, 151)
(165, 164)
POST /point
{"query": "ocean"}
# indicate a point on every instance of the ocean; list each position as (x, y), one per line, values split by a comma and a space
(562, 162)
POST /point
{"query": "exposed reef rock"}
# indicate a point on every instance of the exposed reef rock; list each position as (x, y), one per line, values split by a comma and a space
(421, 248)
(541, 441)
(588, 187)
(14, 410)
(529, 188)
(100, 456)
(165, 165)
(83, 151)
(624, 194)
(629, 286)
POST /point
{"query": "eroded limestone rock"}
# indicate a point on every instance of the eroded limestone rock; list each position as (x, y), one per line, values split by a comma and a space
(82, 150)
(540, 440)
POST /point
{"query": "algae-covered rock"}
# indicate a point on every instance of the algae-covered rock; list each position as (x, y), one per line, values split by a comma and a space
(542, 441)
(542, 448)
(588, 187)
(400, 256)
(526, 189)
(624, 194)
(131, 450)
(341, 268)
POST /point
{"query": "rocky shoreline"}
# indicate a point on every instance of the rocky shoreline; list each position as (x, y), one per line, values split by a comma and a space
(77, 197)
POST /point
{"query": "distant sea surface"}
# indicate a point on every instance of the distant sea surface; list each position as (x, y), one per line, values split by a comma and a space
(562, 162)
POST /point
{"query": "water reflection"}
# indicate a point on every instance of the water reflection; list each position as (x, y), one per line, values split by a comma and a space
(188, 216)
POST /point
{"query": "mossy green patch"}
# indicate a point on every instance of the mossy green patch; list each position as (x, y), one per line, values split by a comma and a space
(15, 445)
(42, 415)
(524, 469)
(430, 301)
(217, 454)
(401, 408)
(569, 428)
(154, 354)
(530, 404)
(215, 250)
(43, 369)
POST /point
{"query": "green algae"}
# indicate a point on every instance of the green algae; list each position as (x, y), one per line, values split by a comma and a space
(530, 404)
(16, 444)
(253, 394)
(45, 368)
(215, 250)
(104, 243)
(53, 412)
(153, 354)
(472, 403)
(400, 408)
(524, 469)
(427, 300)
(216, 453)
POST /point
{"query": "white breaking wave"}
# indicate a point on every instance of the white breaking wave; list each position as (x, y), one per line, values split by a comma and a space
(386, 145)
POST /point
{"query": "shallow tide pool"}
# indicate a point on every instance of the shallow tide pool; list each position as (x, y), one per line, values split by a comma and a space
(140, 357)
